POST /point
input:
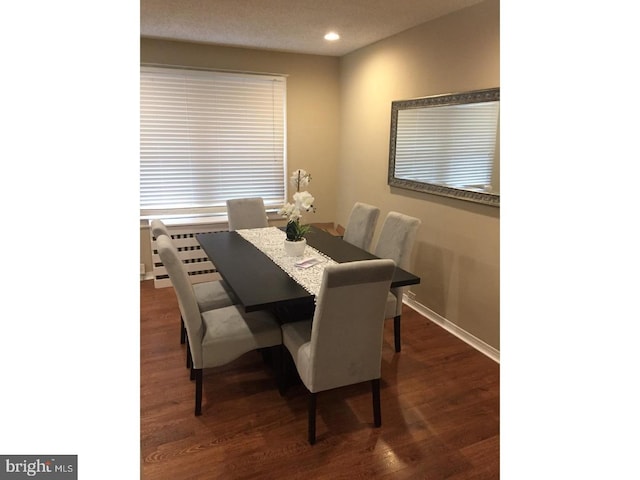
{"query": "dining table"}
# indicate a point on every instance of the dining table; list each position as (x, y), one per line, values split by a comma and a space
(259, 283)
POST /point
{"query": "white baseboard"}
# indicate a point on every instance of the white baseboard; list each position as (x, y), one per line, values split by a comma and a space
(452, 328)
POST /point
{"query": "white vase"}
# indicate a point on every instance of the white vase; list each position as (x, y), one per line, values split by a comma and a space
(295, 249)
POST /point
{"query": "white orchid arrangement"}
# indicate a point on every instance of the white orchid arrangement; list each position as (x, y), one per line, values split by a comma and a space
(302, 202)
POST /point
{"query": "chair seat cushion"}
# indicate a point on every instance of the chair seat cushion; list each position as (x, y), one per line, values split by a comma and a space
(296, 336)
(230, 333)
(214, 294)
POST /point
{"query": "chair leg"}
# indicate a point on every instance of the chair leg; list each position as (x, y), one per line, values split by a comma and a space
(396, 332)
(198, 375)
(312, 418)
(183, 331)
(375, 393)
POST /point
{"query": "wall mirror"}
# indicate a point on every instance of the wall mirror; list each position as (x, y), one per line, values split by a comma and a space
(448, 145)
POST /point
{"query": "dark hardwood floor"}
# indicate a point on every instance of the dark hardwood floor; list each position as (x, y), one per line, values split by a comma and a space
(440, 412)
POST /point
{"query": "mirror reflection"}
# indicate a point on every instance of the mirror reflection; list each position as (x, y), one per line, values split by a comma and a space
(447, 145)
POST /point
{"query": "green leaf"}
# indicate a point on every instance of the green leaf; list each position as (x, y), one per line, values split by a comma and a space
(296, 232)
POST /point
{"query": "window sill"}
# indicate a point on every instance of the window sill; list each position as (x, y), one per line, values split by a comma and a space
(197, 220)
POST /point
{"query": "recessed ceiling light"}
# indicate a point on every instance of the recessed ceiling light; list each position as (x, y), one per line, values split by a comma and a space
(331, 36)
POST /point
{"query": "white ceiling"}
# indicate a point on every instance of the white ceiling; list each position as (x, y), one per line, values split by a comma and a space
(288, 25)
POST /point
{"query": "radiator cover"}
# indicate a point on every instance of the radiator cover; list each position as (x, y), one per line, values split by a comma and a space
(196, 262)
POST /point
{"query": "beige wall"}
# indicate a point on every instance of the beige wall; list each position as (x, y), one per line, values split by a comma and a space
(457, 250)
(338, 129)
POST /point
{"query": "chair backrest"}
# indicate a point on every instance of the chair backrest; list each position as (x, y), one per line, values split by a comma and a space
(246, 213)
(186, 297)
(346, 333)
(361, 225)
(397, 238)
(159, 228)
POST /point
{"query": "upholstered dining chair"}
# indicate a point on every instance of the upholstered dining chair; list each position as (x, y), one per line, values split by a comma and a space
(209, 295)
(342, 344)
(219, 336)
(246, 213)
(396, 241)
(361, 225)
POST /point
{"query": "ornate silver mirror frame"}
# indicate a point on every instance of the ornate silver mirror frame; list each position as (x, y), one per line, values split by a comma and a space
(472, 195)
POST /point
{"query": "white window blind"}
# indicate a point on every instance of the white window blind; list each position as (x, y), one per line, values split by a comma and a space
(451, 146)
(206, 137)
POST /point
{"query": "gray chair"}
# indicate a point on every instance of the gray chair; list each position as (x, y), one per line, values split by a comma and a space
(216, 337)
(246, 213)
(396, 241)
(361, 225)
(209, 295)
(342, 345)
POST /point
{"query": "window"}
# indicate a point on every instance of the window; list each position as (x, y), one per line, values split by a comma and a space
(206, 137)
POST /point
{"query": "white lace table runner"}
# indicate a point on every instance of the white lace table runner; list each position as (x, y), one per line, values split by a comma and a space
(270, 241)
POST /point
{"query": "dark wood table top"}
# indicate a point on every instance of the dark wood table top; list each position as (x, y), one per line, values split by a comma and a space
(259, 283)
